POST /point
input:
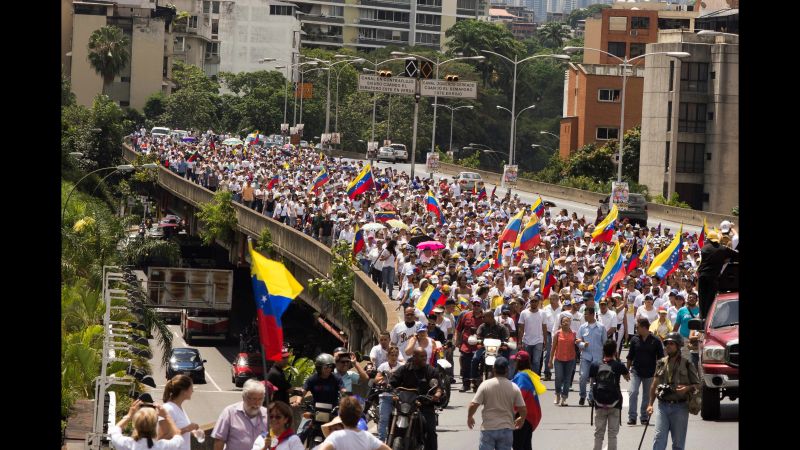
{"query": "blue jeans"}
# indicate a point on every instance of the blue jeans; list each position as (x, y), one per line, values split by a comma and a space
(585, 365)
(365, 265)
(548, 347)
(385, 407)
(496, 439)
(476, 360)
(387, 280)
(563, 371)
(672, 418)
(536, 356)
(645, 383)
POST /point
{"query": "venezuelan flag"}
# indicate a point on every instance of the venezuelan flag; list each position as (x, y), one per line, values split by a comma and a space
(605, 229)
(531, 387)
(273, 288)
(612, 274)
(637, 257)
(358, 242)
(512, 229)
(548, 279)
(361, 183)
(384, 194)
(538, 207)
(273, 181)
(498, 261)
(482, 194)
(703, 233)
(432, 205)
(667, 261)
(481, 267)
(493, 189)
(431, 298)
(383, 216)
(529, 238)
(320, 180)
(487, 216)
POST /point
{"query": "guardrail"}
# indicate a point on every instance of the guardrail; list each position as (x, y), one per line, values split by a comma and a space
(373, 305)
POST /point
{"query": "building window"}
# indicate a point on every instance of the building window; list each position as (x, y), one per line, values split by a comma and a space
(124, 103)
(691, 157)
(606, 133)
(692, 117)
(669, 116)
(429, 19)
(336, 11)
(206, 7)
(382, 35)
(673, 24)
(427, 38)
(617, 24)
(671, 75)
(637, 49)
(180, 44)
(193, 22)
(666, 160)
(640, 23)
(694, 77)
(215, 7)
(617, 49)
(214, 28)
(212, 49)
(608, 95)
(385, 16)
(460, 4)
(125, 79)
(435, 3)
(280, 10)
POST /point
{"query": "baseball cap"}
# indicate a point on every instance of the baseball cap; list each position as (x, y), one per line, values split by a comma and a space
(587, 295)
(438, 309)
(662, 309)
(422, 328)
(521, 355)
(501, 363)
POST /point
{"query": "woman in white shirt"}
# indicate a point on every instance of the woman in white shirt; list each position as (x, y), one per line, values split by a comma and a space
(177, 390)
(145, 420)
(389, 258)
(281, 436)
(647, 311)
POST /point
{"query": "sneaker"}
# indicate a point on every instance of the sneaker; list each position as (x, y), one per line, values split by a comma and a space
(631, 421)
(547, 378)
(582, 401)
(645, 421)
(564, 401)
(464, 388)
(557, 400)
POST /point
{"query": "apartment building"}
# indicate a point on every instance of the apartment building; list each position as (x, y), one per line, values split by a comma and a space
(370, 24)
(144, 23)
(690, 120)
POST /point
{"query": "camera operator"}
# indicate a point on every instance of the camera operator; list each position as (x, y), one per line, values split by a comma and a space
(675, 379)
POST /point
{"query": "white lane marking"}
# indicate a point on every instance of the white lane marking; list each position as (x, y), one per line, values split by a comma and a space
(208, 376)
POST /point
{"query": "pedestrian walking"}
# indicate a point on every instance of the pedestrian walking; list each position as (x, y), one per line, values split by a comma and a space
(644, 352)
(607, 395)
(563, 354)
(178, 389)
(499, 396)
(241, 423)
(145, 419)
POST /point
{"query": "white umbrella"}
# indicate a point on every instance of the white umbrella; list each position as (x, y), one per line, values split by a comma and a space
(373, 226)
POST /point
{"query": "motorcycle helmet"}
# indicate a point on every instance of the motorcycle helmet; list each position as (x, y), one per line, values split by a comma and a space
(324, 359)
(674, 337)
(339, 350)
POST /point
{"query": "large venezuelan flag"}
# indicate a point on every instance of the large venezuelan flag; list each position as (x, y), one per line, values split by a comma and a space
(320, 180)
(273, 288)
(667, 261)
(538, 207)
(361, 183)
(612, 274)
(383, 216)
(432, 205)
(531, 387)
(637, 257)
(481, 267)
(431, 298)
(358, 242)
(529, 238)
(273, 181)
(605, 229)
(512, 229)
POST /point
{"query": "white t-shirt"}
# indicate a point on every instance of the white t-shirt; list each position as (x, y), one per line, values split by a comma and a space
(400, 334)
(649, 315)
(609, 319)
(353, 440)
(550, 315)
(445, 326)
(181, 420)
(532, 323)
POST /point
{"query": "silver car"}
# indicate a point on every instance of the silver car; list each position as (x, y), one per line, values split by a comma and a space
(400, 152)
(468, 180)
(386, 154)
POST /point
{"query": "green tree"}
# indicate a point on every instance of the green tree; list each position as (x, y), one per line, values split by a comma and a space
(67, 96)
(188, 76)
(218, 218)
(145, 251)
(338, 288)
(592, 162)
(108, 53)
(155, 106)
(190, 109)
(583, 13)
(553, 34)
(630, 153)
(469, 37)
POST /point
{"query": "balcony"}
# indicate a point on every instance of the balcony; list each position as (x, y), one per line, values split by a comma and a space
(398, 4)
(426, 27)
(323, 19)
(382, 23)
(322, 38)
(381, 42)
(429, 8)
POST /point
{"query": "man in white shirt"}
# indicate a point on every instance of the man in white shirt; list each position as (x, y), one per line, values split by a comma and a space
(607, 317)
(403, 331)
(531, 332)
(550, 312)
(378, 354)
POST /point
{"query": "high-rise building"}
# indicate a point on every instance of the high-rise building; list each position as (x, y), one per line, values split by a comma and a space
(690, 120)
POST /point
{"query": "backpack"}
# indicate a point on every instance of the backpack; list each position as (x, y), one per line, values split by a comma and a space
(604, 387)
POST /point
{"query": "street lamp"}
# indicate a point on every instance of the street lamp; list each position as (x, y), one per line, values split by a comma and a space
(551, 134)
(437, 64)
(514, 124)
(543, 146)
(516, 62)
(375, 98)
(452, 113)
(121, 168)
(328, 90)
(624, 63)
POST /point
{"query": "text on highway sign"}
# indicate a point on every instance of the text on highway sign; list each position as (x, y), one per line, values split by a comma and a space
(389, 85)
(442, 88)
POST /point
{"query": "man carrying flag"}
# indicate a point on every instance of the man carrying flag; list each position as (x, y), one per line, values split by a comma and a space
(668, 260)
(499, 397)
(531, 387)
(273, 288)
(612, 274)
(273, 181)
(432, 205)
(548, 279)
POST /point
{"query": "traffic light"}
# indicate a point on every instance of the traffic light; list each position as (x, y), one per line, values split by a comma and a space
(451, 77)
(385, 73)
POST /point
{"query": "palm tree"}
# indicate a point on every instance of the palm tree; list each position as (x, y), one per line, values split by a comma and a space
(469, 37)
(553, 34)
(108, 53)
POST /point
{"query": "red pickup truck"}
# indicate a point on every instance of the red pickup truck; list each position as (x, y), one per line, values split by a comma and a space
(719, 353)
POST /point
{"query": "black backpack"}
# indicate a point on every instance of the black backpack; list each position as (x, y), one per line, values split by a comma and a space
(605, 387)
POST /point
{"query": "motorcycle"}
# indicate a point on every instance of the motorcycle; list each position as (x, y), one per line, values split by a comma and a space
(372, 403)
(443, 367)
(493, 348)
(406, 431)
(316, 414)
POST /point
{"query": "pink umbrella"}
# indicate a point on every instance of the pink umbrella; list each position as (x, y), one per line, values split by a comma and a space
(430, 245)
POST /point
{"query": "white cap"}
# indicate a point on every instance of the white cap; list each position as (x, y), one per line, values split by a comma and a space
(725, 226)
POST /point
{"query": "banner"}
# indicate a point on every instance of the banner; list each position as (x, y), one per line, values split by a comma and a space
(619, 194)
(304, 90)
(509, 175)
(432, 163)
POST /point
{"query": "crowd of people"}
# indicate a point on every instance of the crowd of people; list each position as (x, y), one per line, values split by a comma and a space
(492, 288)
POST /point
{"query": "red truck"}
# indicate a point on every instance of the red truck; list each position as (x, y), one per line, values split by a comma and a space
(719, 348)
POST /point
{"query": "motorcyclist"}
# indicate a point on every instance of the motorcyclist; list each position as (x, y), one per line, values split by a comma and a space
(489, 329)
(417, 374)
(324, 386)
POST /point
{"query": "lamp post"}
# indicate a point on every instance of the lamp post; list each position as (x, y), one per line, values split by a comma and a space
(452, 113)
(121, 168)
(624, 63)
(302, 74)
(330, 64)
(514, 124)
(437, 64)
(551, 134)
(515, 63)
(286, 93)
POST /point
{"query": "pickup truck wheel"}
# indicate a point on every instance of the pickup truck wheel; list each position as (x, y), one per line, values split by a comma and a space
(710, 407)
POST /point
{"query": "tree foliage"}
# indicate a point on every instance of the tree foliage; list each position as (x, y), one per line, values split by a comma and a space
(218, 218)
(469, 37)
(108, 52)
(583, 13)
(338, 287)
(553, 34)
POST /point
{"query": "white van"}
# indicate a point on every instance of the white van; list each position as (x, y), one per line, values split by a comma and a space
(159, 132)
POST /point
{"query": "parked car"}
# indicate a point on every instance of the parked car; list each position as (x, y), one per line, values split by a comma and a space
(468, 180)
(246, 366)
(156, 232)
(400, 152)
(636, 212)
(187, 361)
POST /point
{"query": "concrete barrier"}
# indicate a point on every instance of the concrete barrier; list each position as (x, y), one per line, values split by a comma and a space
(369, 301)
